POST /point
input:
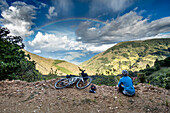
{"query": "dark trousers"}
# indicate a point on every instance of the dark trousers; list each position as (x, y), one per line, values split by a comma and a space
(121, 89)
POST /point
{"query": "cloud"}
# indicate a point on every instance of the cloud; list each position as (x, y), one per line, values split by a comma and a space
(161, 35)
(130, 26)
(37, 51)
(18, 19)
(63, 7)
(72, 55)
(51, 42)
(3, 5)
(103, 6)
(42, 5)
(51, 13)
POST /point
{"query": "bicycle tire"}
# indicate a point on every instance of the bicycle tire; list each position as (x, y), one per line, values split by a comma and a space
(63, 82)
(81, 85)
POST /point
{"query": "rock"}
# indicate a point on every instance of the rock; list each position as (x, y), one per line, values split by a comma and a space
(96, 96)
(111, 108)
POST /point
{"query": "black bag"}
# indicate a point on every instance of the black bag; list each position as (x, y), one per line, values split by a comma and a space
(93, 87)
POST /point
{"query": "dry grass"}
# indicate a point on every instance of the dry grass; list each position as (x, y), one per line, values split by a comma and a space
(44, 65)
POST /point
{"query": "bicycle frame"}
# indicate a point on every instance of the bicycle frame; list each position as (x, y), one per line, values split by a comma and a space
(73, 80)
(80, 82)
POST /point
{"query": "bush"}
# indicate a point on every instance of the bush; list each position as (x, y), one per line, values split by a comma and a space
(125, 55)
(161, 79)
(132, 74)
(106, 80)
(167, 82)
(141, 77)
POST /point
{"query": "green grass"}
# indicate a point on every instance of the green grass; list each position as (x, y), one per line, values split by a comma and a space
(58, 61)
(64, 70)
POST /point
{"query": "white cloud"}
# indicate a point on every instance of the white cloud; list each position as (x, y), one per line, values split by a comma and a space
(51, 13)
(37, 51)
(130, 26)
(164, 35)
(18, 19)
(3, 5)
(72, 55)
(43, 5)
(103, 6)
(63, 7)
(50, 42)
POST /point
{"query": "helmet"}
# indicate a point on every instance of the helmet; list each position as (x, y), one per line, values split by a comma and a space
(124, 72)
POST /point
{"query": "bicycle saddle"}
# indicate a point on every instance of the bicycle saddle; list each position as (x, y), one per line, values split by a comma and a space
(69, 76)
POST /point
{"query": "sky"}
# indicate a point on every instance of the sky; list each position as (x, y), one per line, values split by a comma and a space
(76, 30)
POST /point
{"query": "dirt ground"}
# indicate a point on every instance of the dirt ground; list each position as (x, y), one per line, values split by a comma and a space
(41, 97)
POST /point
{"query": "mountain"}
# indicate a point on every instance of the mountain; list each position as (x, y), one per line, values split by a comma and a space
(41, 97)
(46, 65)
(131, 55)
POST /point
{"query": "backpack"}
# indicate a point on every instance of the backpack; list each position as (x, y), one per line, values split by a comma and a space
(93, 87)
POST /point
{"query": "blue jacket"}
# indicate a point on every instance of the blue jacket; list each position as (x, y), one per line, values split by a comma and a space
(127, 83)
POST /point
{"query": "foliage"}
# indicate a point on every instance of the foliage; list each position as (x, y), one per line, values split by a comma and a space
(104, 60)
(139, 53)
(106, 80)
(147, 66)
(113, 57)
(125, 55)
(164, 63)
(50, 76)
(141, 77)
(157, 76)
(132, 74)
(161, 78)
(14, 64)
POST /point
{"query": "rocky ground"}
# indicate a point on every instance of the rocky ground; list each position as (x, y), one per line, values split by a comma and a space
(41, 97)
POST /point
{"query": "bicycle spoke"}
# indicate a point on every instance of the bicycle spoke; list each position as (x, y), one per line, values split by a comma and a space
(81, 84)
(62, 83)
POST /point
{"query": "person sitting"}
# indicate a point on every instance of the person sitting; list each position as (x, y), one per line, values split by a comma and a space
(125, 84)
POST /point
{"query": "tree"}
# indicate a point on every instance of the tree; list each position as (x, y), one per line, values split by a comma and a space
(14, 64)
(147, 66)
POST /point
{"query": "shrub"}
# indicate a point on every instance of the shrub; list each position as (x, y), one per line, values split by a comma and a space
(141, 77)
(125, 55)
(106, 80)
(167, 82)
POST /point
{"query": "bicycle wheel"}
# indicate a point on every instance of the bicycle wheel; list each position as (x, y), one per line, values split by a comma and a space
(62, 83)
(81, 84)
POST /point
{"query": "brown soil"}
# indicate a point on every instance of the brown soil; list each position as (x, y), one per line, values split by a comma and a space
(41, 97)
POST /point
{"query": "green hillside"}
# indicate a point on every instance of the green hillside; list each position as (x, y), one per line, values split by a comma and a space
(131, 55)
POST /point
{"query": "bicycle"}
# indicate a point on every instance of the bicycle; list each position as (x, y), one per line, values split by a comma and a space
(81, 82)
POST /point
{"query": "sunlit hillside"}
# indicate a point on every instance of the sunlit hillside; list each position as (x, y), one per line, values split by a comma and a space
(132, 55)
(46, 65)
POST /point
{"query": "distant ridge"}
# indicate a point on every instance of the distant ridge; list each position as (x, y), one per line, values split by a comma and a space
(130, 55)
